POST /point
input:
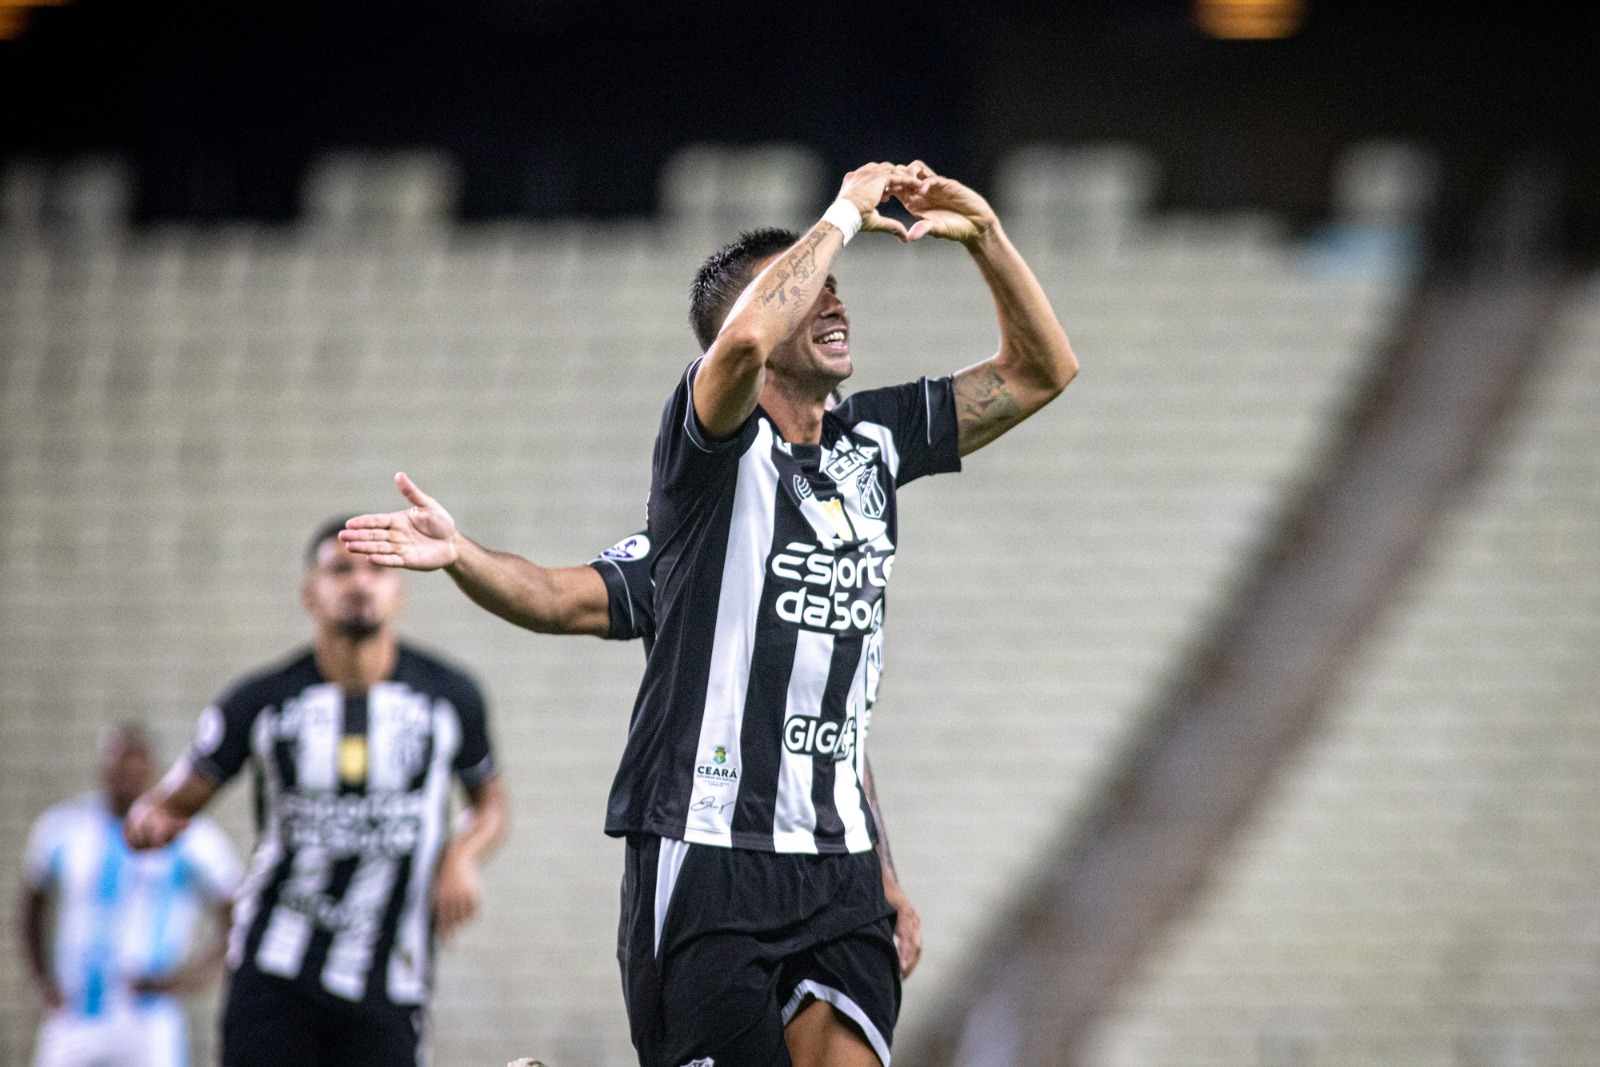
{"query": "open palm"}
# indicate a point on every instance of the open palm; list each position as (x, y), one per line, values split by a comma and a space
(420, 538)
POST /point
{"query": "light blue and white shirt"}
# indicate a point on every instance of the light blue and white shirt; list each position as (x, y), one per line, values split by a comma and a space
(122, 915)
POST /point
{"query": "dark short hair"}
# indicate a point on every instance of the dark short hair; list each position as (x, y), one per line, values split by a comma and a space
(726, 273)
(326, 531)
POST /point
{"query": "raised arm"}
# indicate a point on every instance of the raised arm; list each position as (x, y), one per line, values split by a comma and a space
(1035, 360)
(548, 600)
(774, 304)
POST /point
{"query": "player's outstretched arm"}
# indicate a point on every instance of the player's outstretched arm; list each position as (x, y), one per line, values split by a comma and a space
(1035, 360)
(163, 812)
(779, 298)
(549, 600)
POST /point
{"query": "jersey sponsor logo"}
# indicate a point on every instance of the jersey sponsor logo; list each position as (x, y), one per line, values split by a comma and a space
(848, 458)
(717, 770)
(383, 824)
(807, 736)
(835, 592)
(330, 914)
(705, 1062)
(628, 549)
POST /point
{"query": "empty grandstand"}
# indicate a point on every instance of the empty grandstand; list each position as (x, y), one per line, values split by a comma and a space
(180, 405)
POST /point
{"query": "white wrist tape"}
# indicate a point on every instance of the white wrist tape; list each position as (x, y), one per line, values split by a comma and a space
(845, 217)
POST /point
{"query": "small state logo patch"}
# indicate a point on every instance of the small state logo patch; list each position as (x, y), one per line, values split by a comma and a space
(717, 771)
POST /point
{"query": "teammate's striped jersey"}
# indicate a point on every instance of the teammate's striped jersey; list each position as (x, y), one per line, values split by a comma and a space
(771, 564)
(121, 915)
(352, 794)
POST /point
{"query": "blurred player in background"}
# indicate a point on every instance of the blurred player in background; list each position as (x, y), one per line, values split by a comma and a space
(354, 743)
(120, 947)
(755, 930)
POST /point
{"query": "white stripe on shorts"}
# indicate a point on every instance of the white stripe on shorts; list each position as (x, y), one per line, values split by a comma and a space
(668, 863)
(823, 992)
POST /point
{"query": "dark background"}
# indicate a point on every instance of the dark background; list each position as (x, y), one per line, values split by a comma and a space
(568, 107)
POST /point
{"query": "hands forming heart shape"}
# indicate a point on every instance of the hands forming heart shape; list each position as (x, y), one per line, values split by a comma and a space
(942, 207)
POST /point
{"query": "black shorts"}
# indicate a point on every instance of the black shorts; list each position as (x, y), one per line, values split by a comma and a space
(720, 947)
(272, 1022)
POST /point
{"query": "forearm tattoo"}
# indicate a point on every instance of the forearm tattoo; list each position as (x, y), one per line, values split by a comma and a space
(798, 267)
(985, 402)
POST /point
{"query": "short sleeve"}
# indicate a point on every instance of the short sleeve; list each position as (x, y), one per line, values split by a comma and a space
(39, 861)
(625, 567)
(474, 763)
(687, 459)
(222, 736)
(210, 854)
(915, 421)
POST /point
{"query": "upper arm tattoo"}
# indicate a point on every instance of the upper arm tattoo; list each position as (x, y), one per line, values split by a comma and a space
(986, 407)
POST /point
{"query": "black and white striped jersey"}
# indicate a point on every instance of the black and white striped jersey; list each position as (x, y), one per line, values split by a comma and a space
(630, 603)
(352, 798)
(771, 561)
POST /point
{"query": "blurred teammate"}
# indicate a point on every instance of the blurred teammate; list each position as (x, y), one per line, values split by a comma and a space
(755, 930)
(124, 921)
(354, 743)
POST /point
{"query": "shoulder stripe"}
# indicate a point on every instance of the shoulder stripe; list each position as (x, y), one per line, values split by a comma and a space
(691, 426)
